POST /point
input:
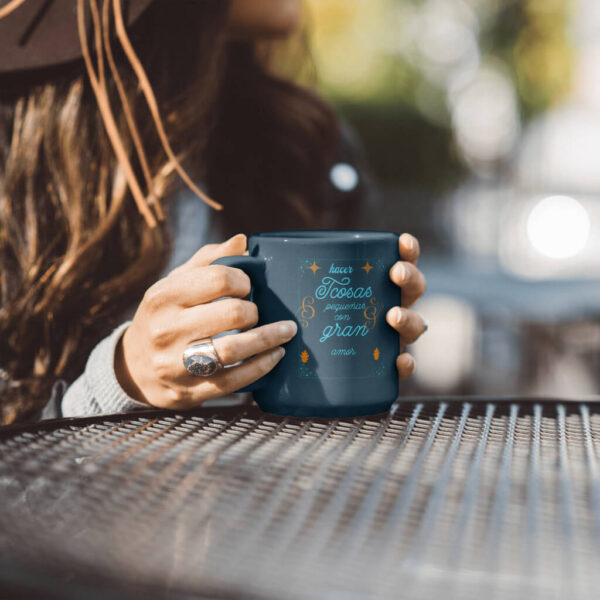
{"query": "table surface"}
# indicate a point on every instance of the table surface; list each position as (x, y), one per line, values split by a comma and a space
(439, 499)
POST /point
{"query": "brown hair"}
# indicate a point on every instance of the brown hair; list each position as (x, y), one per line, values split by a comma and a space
(74, 250)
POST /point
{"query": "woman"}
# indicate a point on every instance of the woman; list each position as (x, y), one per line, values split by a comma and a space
(76, 253)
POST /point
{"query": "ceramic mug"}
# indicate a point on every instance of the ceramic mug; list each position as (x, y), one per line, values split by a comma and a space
(336, 286)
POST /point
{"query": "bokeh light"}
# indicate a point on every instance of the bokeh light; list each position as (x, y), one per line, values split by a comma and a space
(485, 116)
(558, 227)
(445, 355)
(344, 177)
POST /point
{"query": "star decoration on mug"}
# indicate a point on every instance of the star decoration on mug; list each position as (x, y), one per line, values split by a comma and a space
(367, 267)
(314, 267)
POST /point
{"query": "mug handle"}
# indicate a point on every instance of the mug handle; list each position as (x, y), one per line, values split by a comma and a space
(253, 267)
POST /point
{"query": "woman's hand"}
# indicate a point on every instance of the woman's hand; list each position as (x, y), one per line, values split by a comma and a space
(409, 324)
(178, 310)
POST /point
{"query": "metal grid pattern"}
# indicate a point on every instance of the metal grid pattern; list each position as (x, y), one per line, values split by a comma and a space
(438, 500)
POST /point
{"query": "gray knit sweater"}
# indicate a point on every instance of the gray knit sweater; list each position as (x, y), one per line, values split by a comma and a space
(96, 390)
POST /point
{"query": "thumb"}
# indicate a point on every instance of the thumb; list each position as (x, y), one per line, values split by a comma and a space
(235, 245)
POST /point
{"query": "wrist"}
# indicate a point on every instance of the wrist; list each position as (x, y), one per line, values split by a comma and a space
(123, 373)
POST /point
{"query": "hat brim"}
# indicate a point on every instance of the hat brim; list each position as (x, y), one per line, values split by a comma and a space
(43, 33)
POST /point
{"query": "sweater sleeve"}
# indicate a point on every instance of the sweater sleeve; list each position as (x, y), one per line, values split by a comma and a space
(96, 391)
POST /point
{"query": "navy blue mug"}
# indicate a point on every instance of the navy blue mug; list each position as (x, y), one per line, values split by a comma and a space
(336, 286)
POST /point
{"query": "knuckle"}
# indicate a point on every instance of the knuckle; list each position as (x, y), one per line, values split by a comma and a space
(242, 313)
(268, 336)
(252, 313)
(160, 335)
(154, 297)
(229, 280)
(218, 278)
(161, 365)
(224, 348)
(242, 280)
(222, 386)
(237, 312)
(177, 397)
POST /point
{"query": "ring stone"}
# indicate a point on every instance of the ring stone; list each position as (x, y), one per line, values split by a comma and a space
(201, 359)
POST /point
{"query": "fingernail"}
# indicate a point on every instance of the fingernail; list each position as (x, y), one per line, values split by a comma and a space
(400, 271)
(411, 363)
(288, 329)
(397, 315)
(409, 241)
(278, 353)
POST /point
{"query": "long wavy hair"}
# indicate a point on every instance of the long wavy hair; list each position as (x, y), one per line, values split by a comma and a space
(75, 251)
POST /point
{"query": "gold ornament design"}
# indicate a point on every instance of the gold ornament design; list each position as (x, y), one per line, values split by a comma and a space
(306, 310)
(314, 267)
(371, 312)
(304, 356)
(376, 353)
(367, 267)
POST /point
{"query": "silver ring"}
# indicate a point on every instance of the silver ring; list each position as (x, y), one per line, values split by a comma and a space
(201, 358)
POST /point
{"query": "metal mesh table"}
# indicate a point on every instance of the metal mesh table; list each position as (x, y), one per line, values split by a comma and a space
(441, 499)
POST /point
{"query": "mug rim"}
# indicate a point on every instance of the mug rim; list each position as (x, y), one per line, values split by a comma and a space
(324, 235)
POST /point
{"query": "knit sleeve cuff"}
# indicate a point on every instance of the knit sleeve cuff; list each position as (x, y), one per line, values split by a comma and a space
(98, 391)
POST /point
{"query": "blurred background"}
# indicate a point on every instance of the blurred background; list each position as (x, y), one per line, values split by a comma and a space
(480, 121)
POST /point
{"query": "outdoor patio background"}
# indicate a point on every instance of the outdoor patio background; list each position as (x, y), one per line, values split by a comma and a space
(480, 120)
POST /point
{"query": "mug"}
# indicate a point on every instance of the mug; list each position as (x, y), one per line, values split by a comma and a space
(335, 284)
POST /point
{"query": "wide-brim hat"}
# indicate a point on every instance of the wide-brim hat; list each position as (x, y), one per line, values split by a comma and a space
(38, 34)
(43, 33)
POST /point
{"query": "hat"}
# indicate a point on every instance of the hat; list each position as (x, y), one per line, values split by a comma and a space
(36, 34)
(43, 33)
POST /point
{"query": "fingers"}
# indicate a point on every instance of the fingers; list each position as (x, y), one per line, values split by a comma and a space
(234, 246)
(206, 320)
(410, 279)
(179, 328)
(409, 248)
(239, 346)
(405, 364)
(226, 381)
(198, 285)
(409, 324)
